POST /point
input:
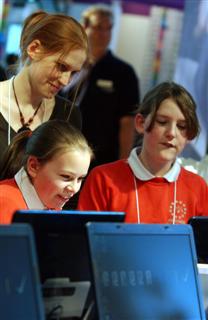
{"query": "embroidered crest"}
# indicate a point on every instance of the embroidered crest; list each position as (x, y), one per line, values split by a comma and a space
(181, 211)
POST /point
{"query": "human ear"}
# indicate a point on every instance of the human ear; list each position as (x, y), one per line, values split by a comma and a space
(34, 49)
(139, 123)
(33, 166)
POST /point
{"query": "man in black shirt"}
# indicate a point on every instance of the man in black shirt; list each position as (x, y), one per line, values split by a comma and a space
(109, 93)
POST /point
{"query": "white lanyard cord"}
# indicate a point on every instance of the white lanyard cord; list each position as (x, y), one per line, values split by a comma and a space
(137, 201)
(174, 204)
(9, 112)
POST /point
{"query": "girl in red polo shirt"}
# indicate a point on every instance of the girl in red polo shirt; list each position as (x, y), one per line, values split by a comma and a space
(56, 159)
(151, 186)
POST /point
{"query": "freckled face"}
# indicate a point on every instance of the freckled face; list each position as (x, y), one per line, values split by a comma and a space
(60, 178)
(51, 73)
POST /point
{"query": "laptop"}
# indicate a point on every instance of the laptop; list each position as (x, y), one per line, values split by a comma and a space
(200, 227)
(63, 256)
(20, 292)
(145, 272)
(203, 274)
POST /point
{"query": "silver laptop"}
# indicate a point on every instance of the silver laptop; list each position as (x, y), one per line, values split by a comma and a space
(145, 272)
(20, 291)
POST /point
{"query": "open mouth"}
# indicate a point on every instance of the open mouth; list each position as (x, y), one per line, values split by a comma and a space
(63, 199)
(169, 145)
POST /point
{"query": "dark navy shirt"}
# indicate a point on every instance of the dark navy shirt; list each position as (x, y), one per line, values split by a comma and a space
(111, 92)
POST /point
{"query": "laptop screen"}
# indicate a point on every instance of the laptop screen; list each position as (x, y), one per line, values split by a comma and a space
(200, 227)
(145, 272)
(61, 240)
(63, 256)
(20, 292)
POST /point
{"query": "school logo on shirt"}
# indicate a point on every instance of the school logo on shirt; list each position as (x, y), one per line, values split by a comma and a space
(181, 212)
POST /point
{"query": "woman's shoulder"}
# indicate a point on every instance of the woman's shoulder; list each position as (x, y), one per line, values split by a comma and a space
(62, 105)
(5, 84)
(5, 87)
(64, 109)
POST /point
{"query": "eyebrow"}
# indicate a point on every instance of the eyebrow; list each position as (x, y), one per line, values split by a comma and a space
(168, 117)
(73, 174)
(68, 66)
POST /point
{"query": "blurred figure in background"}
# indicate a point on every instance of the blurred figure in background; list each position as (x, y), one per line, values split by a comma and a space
(11, 64)
(109, 92)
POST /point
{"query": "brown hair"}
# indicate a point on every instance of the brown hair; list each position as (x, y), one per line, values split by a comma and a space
(13, 157)
(170, 90)
(58, 136)
(47, 140)
(56, 32)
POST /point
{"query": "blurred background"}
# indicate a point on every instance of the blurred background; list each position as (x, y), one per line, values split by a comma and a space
(162, 39)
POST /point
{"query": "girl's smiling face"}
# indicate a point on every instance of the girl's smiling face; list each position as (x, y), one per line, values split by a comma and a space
(57, 180)
(166, 140)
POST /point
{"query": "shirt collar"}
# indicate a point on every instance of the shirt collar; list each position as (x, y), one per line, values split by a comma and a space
(143, 174)
(28, 191)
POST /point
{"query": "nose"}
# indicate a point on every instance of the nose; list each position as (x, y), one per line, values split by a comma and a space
(172, 130)
(64, 78)
(73, 187)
